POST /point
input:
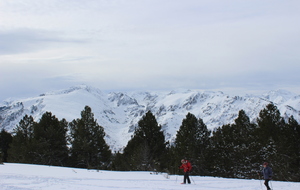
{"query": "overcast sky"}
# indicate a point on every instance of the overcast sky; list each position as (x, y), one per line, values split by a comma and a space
(235, 46)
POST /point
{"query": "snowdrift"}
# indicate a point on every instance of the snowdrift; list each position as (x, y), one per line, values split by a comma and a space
(30, 177)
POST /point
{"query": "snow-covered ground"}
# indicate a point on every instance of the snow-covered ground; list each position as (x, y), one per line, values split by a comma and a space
(29, 177)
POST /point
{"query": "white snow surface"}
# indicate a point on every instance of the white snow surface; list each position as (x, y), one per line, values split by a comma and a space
(119, 112)
(31, 177)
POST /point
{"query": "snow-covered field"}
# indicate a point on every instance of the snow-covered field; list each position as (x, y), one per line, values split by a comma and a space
(28, 177)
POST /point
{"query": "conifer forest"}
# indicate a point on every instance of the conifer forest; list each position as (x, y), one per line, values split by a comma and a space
(234, 150)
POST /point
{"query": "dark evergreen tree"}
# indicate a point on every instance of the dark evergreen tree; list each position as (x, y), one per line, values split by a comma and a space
(146, 149)
(289, 169)
(79, 141)
(233, 149)
(5, 140)
(192, 142)
(271, 134)
(101, 151)
(118, 162)
(221, 152)
(244, 146)
(89, 149)
(270, 124)
(50, 141)
(21, 150)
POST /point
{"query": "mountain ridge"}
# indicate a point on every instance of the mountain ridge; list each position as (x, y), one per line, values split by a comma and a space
(119, 112)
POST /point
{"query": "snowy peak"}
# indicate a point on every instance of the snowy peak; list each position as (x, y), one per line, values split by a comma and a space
(74, 89)
(119, 112)
(279, 96)
(122, 99)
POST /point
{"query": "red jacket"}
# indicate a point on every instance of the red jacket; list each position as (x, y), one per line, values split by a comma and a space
(187, 167)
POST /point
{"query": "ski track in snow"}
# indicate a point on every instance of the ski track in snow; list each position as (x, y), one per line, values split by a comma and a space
(31, 177)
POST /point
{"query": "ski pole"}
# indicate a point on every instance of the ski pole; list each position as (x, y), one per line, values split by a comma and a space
(260, 181)
(192, 180)
(271, 185)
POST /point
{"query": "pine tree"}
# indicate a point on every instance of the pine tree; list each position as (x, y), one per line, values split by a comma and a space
(21, 148)
(89, 149)
(146, 149)
(270, 132)
(101, 151)
(244, 146)
(192, 141)
(290, 154)
(118, 163)
(5, 140)
(270, 124)
(233, 148)
(50, 141)
(221, 152)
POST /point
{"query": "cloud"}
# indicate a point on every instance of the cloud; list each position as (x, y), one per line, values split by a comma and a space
(211, 44)
(27, 40)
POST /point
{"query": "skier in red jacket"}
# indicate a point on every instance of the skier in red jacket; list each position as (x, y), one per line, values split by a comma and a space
(187, 167)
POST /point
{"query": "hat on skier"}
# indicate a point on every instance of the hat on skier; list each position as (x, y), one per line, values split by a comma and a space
(265, 163)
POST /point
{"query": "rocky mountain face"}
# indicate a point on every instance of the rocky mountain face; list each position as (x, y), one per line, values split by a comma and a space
(119, 112)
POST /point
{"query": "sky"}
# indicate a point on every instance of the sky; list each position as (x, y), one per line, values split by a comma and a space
(238, 47)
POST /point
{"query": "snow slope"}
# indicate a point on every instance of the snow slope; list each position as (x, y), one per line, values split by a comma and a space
(119, 112)
(31, 177)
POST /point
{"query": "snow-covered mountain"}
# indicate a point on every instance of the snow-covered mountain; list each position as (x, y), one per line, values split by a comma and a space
(119, 112)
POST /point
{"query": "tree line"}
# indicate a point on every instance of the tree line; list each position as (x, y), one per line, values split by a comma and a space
(234, 150)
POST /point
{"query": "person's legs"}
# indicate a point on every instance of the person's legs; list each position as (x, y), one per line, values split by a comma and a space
(267, 184)
(186, 177)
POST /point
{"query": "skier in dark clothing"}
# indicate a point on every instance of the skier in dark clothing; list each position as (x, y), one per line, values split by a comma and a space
(267, 174)
(187, 167)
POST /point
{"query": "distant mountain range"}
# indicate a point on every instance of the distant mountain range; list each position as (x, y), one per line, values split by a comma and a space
(119, 112)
